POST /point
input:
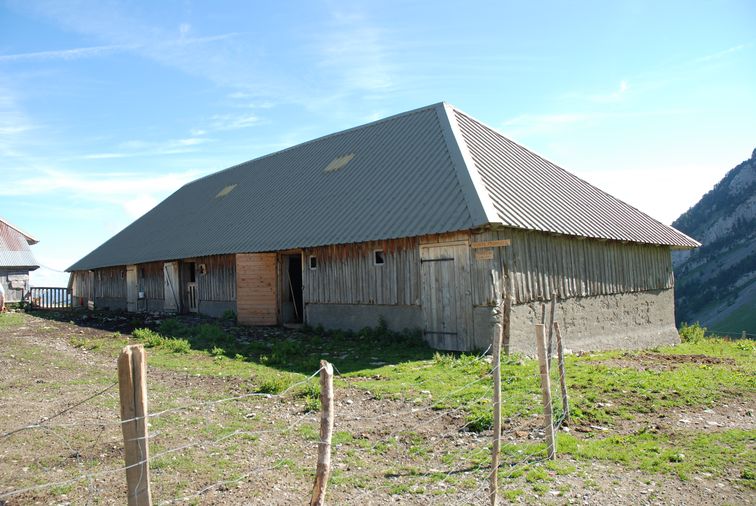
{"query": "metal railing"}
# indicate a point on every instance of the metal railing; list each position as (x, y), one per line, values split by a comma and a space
(49, 297)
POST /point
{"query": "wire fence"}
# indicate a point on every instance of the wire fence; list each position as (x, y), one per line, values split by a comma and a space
(436, 447)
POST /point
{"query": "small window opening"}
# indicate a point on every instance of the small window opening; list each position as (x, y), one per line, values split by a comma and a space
(192, 272)
(202, 269)
(313, 261)
(378, 257)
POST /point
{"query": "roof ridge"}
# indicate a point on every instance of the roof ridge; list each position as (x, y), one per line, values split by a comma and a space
(323, 137)
(479, 203)
(29, 238)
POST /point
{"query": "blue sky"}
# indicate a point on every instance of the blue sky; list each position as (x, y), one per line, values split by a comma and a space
(107, 107)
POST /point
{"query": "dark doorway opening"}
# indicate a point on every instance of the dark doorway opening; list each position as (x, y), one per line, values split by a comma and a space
(293, 307)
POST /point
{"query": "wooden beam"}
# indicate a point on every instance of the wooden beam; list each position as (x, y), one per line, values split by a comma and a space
(490, 244)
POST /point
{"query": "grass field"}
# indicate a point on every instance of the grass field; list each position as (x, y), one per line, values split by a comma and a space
(677, 414)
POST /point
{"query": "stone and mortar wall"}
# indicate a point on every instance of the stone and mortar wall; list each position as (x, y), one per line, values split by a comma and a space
(604, 322)
(358, 316)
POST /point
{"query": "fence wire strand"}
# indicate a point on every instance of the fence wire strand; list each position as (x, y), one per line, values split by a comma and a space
(466, 461)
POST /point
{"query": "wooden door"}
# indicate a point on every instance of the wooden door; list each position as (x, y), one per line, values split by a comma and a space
(191, 297)
(256, 294)
(132, 288)
(172, 291)
(446, 295)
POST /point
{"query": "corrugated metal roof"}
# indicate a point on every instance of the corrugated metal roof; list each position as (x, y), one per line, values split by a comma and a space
(427, 171)
(14, 247)
(400, 182)
(532, 193)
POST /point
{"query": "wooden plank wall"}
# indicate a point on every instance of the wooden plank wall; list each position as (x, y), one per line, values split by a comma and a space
(572, 267)
(346, 274)
(150, 280)
(111, 282)
(219, 282)
(256, 288)
(83, 285)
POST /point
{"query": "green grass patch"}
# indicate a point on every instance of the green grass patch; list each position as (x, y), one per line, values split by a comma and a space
(9, 320)
(681, 454)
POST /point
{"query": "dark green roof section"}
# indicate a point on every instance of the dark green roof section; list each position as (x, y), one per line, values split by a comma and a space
(388, 179)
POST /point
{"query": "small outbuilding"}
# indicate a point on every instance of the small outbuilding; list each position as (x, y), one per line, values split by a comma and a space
(401, 220)
(16, 261)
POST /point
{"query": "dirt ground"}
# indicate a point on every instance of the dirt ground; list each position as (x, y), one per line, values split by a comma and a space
(263, 450)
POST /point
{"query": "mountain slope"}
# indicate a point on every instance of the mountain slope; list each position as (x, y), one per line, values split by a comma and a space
(716, 284)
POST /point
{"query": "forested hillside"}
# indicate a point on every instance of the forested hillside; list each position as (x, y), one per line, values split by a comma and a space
(716, 284)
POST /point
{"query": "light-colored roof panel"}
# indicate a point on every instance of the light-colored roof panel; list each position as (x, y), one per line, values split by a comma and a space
(532, 193)
(18, 259)
(14, 247)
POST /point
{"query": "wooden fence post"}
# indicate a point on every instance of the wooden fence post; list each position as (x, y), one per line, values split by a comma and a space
(132, 387)
(545, 390)
(551, 327)
(326, 431)
(562, 373)
(497, 315)
(501, 316)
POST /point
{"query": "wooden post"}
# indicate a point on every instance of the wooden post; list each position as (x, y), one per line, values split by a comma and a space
(501, 318)
(743, 335)
(545, 390)
(551, 327)
(497, 315)
(509, 301)
(326, 431)
(562, 373)
(132, 386)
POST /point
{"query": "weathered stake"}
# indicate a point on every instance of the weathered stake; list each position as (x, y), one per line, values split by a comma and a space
(501, 317)
(562, 374)
(546, 390)
(497, 315)
(551, 328)
(326, 431)
(132, 387)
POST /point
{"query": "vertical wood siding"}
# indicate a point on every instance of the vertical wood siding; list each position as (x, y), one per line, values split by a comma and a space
(256, 288)
(219, 282)
(346, 274)
(150, 280)
(110, 283)
(542, 264)
(82, 285)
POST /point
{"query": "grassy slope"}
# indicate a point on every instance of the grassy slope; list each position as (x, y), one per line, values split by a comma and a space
(604, 389)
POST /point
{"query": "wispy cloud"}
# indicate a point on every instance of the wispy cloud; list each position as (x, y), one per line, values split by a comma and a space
(722, 54)
(64, 54)
(355, 54)
(211, 56)
(233, 121)
(137, 148)
(619, 93)
(528, 124)
(135, 192)
(14, 122)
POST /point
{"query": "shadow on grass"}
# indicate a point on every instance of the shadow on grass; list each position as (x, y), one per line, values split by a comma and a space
(298, 351)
